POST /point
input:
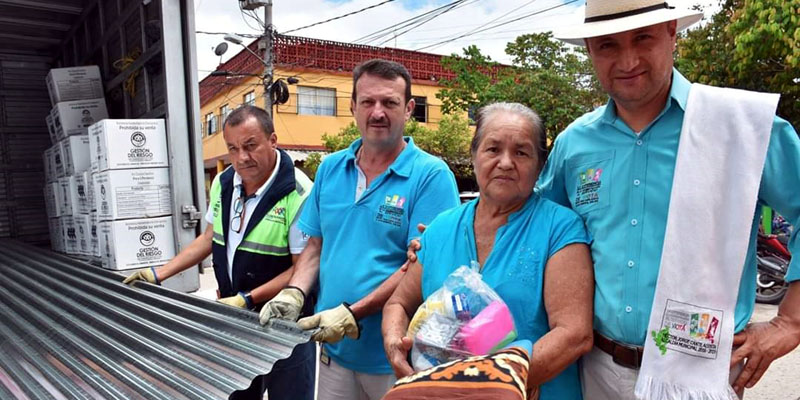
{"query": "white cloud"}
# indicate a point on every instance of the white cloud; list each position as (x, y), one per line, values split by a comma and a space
(224, 16)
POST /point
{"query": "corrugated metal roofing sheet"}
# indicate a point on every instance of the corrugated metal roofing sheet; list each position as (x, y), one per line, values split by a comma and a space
(70, 330)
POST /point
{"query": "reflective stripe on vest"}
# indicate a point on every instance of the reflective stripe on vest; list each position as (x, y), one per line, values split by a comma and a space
(263, 248)
(219, 238)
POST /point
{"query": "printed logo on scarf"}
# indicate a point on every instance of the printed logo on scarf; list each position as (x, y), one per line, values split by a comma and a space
(391, 211)
(689, 329)
(589, 183)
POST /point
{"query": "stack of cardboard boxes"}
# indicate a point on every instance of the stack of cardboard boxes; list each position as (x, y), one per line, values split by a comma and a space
(77, 98)
(108, 194)
(132, 192)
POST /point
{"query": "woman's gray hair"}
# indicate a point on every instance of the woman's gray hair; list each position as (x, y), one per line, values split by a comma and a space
(534, 121)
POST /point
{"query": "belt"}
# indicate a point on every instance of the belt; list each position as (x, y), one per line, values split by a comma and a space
(626, 355)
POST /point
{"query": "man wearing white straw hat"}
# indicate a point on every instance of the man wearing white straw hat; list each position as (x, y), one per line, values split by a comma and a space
(669, 178)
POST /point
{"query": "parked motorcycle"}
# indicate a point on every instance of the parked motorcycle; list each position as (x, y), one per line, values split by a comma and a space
(773, 262)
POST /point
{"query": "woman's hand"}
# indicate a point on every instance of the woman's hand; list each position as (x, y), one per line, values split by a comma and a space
(397, 348)
(414, 246)
(396, 314)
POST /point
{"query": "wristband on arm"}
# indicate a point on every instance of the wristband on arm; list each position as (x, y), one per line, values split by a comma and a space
(155, 276)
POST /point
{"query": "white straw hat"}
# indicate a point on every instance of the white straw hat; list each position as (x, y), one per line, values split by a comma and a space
(606, 17)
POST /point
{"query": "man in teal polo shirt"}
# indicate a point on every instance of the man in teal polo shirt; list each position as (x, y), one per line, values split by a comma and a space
(628, 148)
(362, 212)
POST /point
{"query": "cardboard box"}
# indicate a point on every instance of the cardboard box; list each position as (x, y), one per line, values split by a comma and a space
(70, 233)
(89, 182)
(132, 193)
(82, 193)
(136, 243)
(57, 161)
(128, 143)
(56, 234)
(47, 158)
(94, 239)
(52, 203)
(68, 195)
(51, 128)
(83, 233)
(74, 83)
(75, 117)
(75, 154)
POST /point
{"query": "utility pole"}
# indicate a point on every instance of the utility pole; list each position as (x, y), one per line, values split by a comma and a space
(265, 45)
(266, 42)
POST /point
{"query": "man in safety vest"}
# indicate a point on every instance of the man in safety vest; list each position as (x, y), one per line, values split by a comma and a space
(254, 239)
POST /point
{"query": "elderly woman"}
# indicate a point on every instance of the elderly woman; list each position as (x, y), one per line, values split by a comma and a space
(532, 252)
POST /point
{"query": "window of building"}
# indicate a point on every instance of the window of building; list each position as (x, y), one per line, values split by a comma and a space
(223, 113)
(211, 124)
(420, 113)
(250, 98)
(316, 101)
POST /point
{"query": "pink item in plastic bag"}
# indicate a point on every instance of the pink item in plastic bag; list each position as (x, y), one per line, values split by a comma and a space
(493, 326)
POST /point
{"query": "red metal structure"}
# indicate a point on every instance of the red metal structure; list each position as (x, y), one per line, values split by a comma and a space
(308, 53)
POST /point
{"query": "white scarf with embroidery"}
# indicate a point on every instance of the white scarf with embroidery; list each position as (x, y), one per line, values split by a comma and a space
(721, 156)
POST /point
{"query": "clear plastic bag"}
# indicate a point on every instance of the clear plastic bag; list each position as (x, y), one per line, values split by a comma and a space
(464, 318)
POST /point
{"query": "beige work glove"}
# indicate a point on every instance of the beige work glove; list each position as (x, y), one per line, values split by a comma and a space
(287, 304)
(239, 300)
(334, 324)
(147, 275)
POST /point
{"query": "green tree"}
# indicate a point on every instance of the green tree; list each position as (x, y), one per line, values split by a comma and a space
(341, 139)
(546, 75)
(450, 142)
(311, 164)
(751, 45)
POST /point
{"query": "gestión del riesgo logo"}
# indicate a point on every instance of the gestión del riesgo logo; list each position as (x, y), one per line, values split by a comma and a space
(147, 238)
(138, 139)
(147, 253)
(138, 153)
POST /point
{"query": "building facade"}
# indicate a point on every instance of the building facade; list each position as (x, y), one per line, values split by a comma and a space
(319, 101)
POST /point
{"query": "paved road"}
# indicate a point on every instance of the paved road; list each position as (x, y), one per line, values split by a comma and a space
(782, 379)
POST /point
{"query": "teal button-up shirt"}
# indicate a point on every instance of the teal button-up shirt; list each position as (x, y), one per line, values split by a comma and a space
(620, 183)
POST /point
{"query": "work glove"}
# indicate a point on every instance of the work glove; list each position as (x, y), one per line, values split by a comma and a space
(147, 275)
(287, 304)
(334, 324)
(240, 300)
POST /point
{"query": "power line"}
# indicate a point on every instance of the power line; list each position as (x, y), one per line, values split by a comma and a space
(242, 13)
(419, 24)
(402, 24)
(245, 35)
(496, 25)
(339, 17)
(501, 17)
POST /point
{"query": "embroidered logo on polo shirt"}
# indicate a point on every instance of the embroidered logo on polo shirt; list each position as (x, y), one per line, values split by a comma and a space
(277, 215)
(391, 211)
(589, 183)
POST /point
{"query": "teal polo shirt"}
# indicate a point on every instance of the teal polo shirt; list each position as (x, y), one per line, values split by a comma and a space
(515, 268)
(365, 241)
(620, 183)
